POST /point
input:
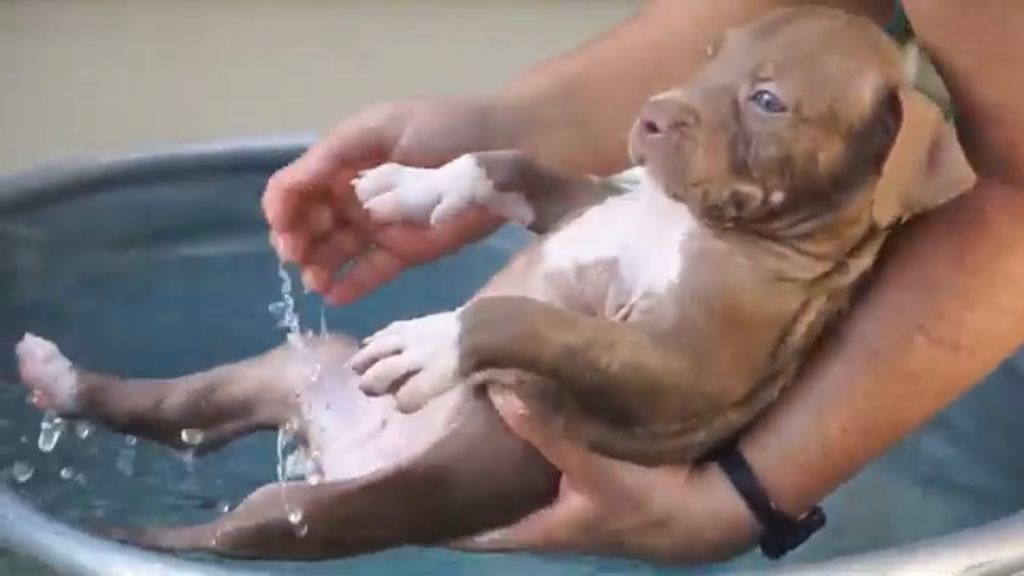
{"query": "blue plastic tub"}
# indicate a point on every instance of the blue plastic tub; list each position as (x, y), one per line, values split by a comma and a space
(158, 264)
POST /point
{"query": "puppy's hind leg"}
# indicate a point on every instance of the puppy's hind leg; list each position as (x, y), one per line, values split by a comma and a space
(268, 524)
(199, 411)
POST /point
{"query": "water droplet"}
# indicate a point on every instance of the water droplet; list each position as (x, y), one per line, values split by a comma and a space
(224, 506)
(83, 430)
(50, 430)
(278, 309)
(301, 530)
(22, 472)
(192, 436)
(66, 473)
(295, 517)
(189, 458)
(126, 462)
(315, 373)
(131, 440)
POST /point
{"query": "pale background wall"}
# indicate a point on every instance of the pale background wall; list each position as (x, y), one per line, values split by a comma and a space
(84, 77)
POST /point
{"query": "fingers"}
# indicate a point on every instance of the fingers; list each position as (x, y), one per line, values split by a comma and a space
(292, 246)
(370, 270)
(363, 141)
(331, 252)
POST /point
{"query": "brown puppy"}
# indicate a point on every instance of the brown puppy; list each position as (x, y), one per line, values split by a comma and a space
(669, 304)
(661, 311)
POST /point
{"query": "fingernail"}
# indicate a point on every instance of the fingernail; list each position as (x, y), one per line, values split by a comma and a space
(315, 279)
(285, 249)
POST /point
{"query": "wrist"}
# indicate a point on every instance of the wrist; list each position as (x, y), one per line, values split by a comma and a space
(739, 528)
(709, 521)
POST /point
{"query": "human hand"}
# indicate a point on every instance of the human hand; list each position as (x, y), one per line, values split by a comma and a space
(607, 507)
(317, 222)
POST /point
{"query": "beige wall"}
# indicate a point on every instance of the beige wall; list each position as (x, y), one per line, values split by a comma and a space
(82, 77)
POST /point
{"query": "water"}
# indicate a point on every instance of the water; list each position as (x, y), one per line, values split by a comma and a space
(192, 436)
(22, 471)
(172, 289)
(50, 430)
(125, 462)
(83, 430)
(289, 455)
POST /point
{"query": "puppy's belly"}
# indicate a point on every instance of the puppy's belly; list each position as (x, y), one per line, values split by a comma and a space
(351, 435)
(624, 250)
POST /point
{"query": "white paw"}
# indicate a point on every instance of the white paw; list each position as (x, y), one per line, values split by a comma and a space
(418, 357)
(51, 376)
(392, 192)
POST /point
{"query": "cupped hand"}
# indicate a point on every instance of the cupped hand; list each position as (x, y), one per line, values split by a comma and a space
(317, 222)
(606, 507)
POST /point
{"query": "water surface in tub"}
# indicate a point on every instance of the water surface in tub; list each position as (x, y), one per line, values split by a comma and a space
(164, 275)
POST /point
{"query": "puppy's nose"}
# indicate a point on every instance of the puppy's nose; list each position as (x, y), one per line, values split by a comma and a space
(668, 114)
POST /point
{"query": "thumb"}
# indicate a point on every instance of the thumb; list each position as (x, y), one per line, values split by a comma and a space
(584, 470)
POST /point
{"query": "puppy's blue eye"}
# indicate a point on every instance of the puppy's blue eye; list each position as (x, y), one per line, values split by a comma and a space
(768, 102)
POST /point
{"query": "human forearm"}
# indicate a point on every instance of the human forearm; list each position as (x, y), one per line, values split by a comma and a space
(575, 110)
(943, 312)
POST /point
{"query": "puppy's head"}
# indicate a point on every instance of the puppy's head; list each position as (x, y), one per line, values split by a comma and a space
(796, 118)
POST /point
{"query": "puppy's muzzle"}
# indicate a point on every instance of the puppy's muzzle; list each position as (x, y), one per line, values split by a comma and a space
(667, 114)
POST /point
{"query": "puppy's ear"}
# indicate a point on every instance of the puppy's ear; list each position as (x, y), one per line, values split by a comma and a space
(926, 165)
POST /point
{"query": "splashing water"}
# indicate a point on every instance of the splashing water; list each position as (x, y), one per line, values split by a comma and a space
(125, 462)
(50, 430)
(288, 318)
(22, 472)
(83, 430)
(192, 436)
(66, 473)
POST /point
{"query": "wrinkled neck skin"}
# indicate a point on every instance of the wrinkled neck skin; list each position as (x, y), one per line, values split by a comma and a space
(816, 248)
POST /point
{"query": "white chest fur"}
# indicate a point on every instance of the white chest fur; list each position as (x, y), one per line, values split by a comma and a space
(642, 232)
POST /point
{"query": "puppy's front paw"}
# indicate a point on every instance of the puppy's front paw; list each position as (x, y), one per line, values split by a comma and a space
(392, 192)
(418, 358)
(50, 376)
